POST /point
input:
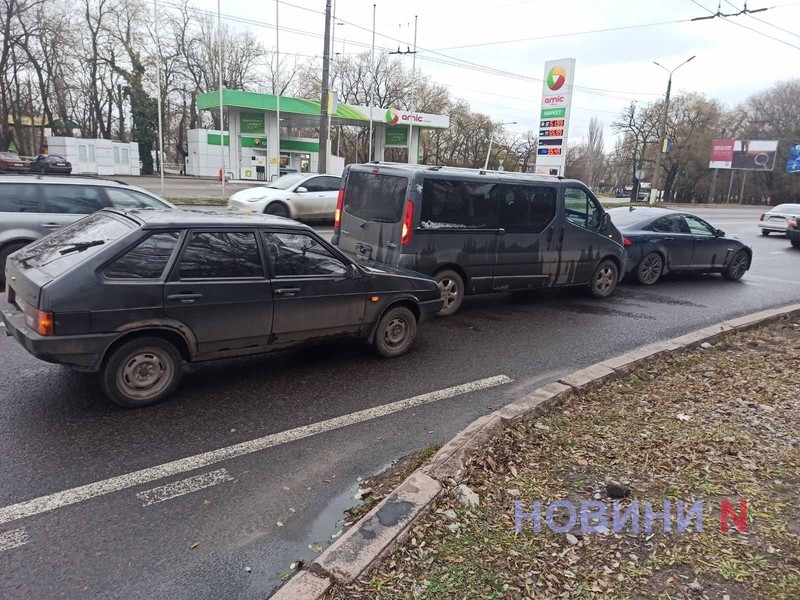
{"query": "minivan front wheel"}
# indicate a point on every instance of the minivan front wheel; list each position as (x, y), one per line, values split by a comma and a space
(451, 287)
(396, 332)
(604, 279)
(141, 372)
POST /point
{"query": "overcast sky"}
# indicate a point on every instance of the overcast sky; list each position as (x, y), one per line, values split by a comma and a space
(732, 62)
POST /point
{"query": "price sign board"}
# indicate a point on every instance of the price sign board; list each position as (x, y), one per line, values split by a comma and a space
(554, 115)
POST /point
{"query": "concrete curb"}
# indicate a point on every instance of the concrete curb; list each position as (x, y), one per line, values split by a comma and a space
(369, 540)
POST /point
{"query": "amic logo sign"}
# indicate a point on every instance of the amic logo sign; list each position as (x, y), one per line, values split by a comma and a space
(392, 116)
(556, 78)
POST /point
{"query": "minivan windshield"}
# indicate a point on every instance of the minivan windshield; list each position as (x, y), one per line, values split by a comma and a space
(287, 181)
(56, 253)
(375, 197)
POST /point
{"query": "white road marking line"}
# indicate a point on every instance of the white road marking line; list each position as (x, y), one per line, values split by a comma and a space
(779, 252)
(50, 502)
(184, 486)
(775, 279)
(13, 539)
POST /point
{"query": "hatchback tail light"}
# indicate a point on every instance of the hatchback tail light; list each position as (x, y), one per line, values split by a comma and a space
(408, 221)
(337, 216)
(626, 242)
(762, 217)
(41, 322)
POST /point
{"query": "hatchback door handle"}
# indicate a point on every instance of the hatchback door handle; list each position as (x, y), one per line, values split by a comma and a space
(185, 297)
(668, 239)
(287, 291)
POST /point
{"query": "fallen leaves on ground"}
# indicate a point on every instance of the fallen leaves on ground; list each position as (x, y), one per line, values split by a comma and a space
(712, 424)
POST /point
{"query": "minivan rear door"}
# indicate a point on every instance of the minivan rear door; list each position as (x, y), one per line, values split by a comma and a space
(372, 215)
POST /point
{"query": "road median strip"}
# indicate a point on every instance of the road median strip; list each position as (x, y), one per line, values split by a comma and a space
(368, 541)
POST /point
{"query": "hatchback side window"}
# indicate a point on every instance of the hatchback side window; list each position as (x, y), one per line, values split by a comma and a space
(19, 197)
(698, 226)
(525, 208)
(298, 254)
(221, 255)
(581, 209)
(120, 198)
(670, 224)
(72, 199)
(145, 261)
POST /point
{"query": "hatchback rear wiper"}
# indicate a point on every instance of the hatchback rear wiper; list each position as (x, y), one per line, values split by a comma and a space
(80, 246)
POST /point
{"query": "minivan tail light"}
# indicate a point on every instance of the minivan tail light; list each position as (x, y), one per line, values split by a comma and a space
(408, 221)
(337, 216)
(626, 242)
(41, 322)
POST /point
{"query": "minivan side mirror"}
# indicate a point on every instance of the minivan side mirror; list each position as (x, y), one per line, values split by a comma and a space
(605, 222)
(301, 190)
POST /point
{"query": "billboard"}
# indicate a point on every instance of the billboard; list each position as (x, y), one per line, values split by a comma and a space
(749, 155)
(554, 114)
(793, 162)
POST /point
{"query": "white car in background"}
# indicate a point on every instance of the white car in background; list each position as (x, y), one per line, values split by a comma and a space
(296, 196)
(776, 219)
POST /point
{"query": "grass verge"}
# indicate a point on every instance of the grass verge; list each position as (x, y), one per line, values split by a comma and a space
(709, 425)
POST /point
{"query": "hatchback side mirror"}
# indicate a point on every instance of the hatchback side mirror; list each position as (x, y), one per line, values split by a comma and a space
(301, 190)
(353, 272)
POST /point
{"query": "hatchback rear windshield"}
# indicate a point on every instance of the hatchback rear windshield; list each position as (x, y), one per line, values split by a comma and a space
(375, 197)
(56, 253)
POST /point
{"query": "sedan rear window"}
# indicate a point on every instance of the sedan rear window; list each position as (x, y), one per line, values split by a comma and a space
(56, 253)
(375, 197)
(787, 208)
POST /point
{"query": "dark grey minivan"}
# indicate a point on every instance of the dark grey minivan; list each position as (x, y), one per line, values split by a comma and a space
(478, 231)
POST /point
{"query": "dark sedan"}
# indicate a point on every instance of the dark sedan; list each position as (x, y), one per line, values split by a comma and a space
(133, 294)
(793, 232)
(51, 163)
(11, 161)
(659, 240)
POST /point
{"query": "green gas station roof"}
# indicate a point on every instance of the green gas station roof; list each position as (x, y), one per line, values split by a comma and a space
(268, 102)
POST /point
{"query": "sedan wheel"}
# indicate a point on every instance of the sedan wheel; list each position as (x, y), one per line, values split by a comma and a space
(737, 267)
(278, 209)
(650, 269)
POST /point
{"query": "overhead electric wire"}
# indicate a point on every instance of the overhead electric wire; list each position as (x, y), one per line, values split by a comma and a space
(772, 37)
(779, 28)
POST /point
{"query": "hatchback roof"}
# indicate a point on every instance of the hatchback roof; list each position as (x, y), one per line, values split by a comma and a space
(158, 219)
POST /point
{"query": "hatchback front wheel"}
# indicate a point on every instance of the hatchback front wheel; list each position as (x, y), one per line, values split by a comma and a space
(396, 332)
(141, 372)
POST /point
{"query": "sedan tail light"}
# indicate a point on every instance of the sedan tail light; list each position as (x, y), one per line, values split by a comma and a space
(69, 164)
(762, 217)
(792, 223)
(408, 221)
(41, 322)
(337, 216)
(626, 242)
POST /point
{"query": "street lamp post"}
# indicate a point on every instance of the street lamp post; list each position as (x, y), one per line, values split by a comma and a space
(662, 130)
(491, 139)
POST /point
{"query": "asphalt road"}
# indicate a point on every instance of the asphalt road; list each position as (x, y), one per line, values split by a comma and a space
(250, 443)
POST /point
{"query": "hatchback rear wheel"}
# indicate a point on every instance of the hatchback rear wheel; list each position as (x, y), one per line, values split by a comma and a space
(396, 332)
(141, 372)
(650, 269)
(604, 279)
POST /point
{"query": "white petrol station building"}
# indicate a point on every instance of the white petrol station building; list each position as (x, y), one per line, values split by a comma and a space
(251, 148)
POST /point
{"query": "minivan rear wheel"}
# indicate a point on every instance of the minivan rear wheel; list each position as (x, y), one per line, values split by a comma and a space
(141, 372)
(451, 287)
(396, 332)
(604, 279)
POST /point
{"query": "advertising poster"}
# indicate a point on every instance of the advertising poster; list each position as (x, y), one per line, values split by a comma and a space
(793, 163)
(748, 155)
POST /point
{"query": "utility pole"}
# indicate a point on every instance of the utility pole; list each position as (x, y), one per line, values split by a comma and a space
(371, 93)
(662, 132)
(221, 126)
(413, 81)
(323, 115)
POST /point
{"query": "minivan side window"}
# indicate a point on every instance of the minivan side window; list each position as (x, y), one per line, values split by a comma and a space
(18, 197)
(72, 199)
(221, 255)
(581, 209)
(297, 254)
(526, 208)
(454, 204)
(147, 260)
